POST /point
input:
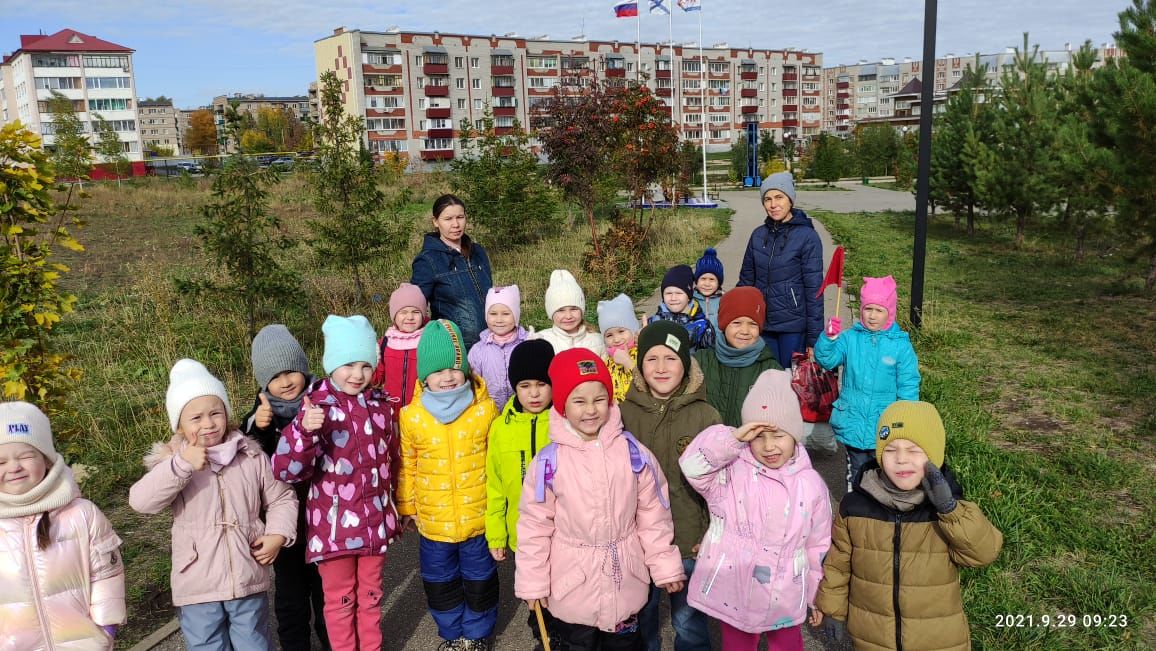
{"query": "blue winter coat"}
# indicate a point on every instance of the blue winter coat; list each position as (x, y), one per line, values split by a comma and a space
(878, 369)
(785, 262)
(709, 306)
(454, 285)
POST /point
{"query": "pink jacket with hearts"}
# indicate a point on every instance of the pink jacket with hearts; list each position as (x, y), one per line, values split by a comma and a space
(351, 464)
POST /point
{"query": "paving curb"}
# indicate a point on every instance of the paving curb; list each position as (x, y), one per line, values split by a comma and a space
(156, 637)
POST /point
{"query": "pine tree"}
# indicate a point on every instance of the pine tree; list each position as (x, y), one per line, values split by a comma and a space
(964, 125)
(1123, 97)
(1016, 169)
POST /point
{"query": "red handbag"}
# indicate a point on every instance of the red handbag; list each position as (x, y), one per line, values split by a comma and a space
(816, 387)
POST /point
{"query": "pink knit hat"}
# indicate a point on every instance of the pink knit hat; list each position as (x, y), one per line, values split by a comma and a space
(881, 292)
(407, 295)
(772, 400)
(510, 296)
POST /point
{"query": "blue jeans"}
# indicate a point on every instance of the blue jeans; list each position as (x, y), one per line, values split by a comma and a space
(691, 630)
(782, 344)
(461, 587)
(234, 625)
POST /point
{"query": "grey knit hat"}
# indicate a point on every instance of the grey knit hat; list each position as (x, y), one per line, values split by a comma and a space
(275, 350)
(782, 181)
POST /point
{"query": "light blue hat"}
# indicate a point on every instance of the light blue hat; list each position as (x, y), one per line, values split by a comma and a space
(618, 312)
(347, 340)
(782, 181)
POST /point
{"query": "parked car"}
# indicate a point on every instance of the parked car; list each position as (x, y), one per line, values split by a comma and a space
(191, 167)
(283, 164)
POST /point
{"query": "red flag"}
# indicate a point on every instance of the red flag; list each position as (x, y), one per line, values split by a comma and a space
(834, 272)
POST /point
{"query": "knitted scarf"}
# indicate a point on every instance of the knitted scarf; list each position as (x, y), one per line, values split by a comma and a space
(287, 409)
(57, 489)
(398, 340)
(446, 406)
(877, 485)
(738, 357)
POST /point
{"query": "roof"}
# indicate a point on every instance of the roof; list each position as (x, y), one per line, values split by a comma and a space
(68, 40)
(913, 87)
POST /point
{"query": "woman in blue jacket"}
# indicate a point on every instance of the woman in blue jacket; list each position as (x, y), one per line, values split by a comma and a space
(784, 260)
(453, 271)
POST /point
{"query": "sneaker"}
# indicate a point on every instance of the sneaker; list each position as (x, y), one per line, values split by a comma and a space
(477, 645)
(459, 644)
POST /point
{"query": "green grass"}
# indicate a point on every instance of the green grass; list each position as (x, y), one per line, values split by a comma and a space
(890, 185)
(820, 187)
(1045, 372)
(131, 325)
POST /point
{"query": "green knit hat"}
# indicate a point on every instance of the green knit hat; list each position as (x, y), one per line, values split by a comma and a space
(669, 334)
(439, 348)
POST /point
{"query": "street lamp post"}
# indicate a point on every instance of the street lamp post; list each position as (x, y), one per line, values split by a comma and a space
(922, 188)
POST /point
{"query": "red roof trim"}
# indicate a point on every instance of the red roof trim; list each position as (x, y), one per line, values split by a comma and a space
(62, 42)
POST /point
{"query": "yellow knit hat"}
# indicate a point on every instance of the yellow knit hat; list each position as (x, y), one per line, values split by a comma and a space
(916, 421)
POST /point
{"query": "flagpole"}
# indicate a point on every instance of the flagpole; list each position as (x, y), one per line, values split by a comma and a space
(674, 112)
(638, 44)
(702, 87)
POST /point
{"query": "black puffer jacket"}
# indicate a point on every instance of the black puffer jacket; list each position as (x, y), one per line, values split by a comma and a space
(785, 262)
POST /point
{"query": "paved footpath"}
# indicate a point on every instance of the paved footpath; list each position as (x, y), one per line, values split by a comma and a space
(405, 620)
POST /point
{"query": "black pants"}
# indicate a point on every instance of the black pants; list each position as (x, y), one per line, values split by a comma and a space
(578, 637)
(552, 627)
(297, 600)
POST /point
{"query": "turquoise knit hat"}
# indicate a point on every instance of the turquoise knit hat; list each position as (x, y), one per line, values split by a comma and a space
(347, 340)
(439, 348)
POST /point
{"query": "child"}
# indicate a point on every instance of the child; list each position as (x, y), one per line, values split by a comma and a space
(566, 305)
(490, 357)
(891, 578)
(761, 561)
(678, 306)
(341, 445)
(879, 367)
(396, 372)
(443, 488)
(282, 373)
(618, 323)
(665, 408)
(516, 435)
(708, 280)
(219, 483)
(63, 579)
(595, 528)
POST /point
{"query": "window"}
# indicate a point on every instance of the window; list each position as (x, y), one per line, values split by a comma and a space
(388, 146)
(109, 104)
(419, 60)
(459, 62)
(461, 104)
(503, 82)
(616, 64)
(720, 134)
(441, 123)
(475, 62)
(123, 125)
(691, 66)
(720, 101)
(691, 100)
(720, 85)
(719, 118)
(385, 124)
(438, 143)
(392, 102)
(460, 83)
(57, 83)
(422, 103)
(502, 60)
(542, 62)
(476, 84)
(420, 82)
(692, 118)
(381, 80)
(107, 82)
(691, 84)
(543, 82)
(506, 102)
(719, 68)
(56, 61)
(105, 61)
(383, 58)
(478, 105)
(662, 65)
(504, 122)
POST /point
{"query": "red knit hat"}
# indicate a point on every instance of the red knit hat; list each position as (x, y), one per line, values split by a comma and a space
(742, 301)
(573, 367)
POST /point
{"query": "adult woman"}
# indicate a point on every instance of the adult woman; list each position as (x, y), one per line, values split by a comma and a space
(784, 260)
(739, 356)
(453, 271)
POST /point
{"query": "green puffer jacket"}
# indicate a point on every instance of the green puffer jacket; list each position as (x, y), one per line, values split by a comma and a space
(667, 427)
(515, 437)
(727, 387)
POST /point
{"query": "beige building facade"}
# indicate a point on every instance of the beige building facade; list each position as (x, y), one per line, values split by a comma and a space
(159, 125)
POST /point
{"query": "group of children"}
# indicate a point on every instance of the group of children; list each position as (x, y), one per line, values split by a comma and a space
(593, 459)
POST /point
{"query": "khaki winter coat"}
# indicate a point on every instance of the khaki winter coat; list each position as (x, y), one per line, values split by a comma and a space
(883, 563)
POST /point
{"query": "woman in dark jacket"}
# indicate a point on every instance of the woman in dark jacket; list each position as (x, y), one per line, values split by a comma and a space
(453, 271)
(784, 260)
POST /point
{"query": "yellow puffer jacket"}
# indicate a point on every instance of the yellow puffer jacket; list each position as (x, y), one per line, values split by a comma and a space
(620, 375)
(443, 468)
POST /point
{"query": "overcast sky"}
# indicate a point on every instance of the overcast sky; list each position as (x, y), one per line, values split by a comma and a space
(192, 51)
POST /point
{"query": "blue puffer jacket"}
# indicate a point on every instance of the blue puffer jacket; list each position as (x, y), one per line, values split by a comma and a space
(785, 262)
(454, 285)
(878, 369)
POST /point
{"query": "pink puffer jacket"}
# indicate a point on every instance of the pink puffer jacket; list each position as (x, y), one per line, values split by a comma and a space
(59, 597)
(602, 533)
(216, 517)
(762, 557)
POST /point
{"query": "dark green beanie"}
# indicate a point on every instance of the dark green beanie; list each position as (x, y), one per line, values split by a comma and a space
(665, 333)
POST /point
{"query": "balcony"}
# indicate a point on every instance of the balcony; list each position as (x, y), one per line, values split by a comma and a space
(505, 111)
(662, 74)
(843, 85)
(437, 154)
(748, 92)
(377, 68)
(790, 76)
(748, 76)
(435, 69)
(503, 131)
(790, 92)
(440, 133)
(502, 91)
(842, 95)
(501, 70)
(716, 74)
(438, 112)
(437, 91)
(664, 92)
(790, 108)
(616, 73)
(790, 122)
(750, 109)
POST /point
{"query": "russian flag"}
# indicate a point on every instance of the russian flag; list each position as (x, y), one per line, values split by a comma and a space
(625, 9)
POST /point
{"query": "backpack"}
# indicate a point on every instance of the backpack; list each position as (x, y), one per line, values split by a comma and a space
(547, 459)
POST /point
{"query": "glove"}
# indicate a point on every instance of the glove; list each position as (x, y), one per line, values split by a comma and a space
(110, 629)
(833, 628)
(834, 327)
(938, 492)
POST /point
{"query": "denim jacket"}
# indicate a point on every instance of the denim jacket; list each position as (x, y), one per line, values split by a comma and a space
(454, 285)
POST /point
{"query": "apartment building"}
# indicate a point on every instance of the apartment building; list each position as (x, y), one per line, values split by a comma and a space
(298, 105)
(159, 125)
(96, 75)
(414, 88)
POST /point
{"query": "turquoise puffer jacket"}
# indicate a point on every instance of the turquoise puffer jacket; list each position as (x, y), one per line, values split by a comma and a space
(878, 369)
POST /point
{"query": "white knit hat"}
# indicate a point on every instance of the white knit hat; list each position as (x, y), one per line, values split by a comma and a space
(563, 291)
(21, 422)
(188, 381)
